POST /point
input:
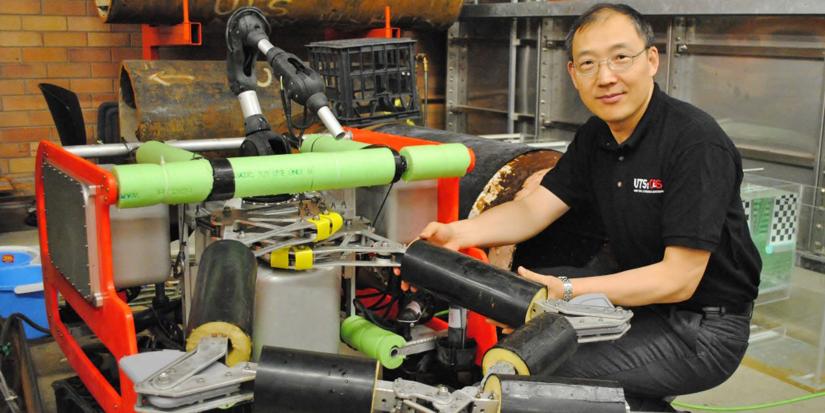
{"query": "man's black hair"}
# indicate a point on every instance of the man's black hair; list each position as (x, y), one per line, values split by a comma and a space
(644, 28)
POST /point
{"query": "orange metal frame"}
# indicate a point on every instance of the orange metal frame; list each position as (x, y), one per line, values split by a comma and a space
(477, 326)
(112, 321)
(185, 33)
(387, 31)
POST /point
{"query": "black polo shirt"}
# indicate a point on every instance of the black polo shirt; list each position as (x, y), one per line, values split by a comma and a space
(674, 181)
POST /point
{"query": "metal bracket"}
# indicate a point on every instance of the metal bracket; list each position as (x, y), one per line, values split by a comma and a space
(592, 315)
(285, 226)
(410, 396)
(194, 382)
(421, 345)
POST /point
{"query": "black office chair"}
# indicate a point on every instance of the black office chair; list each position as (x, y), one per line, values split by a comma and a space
(108, 129)
(65, 110)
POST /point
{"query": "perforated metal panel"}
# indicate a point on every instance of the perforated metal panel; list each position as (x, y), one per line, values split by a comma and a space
(66, 201)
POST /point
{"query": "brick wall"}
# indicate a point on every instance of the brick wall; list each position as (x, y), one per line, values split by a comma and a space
(62, 42)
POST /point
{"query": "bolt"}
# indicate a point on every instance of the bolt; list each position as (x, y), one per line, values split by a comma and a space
(228, 374)
(201, 380)
(163, 377)
(682, 48)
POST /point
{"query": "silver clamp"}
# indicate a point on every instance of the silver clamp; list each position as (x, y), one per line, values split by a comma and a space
(187, 382)
(410, 396)
(593, 316)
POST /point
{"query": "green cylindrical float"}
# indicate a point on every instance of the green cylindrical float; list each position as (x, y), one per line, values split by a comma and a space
(289, 174)
(174, 176)
(172, 183)
(448, 160)
(423, 161)
(373, 341)
(192, 181)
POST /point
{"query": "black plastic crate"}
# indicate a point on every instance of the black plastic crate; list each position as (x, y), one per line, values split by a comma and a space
(368, 80)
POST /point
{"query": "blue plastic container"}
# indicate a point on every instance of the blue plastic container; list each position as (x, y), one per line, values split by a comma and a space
(17, 268)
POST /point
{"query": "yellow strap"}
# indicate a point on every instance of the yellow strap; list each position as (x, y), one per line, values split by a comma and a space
(279, 258)
(322, 227)
(336, 221)
(303, 257)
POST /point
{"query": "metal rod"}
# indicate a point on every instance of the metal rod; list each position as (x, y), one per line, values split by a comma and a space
(571, 8)
(250, 105)
(523, 78)
(511, 77)
(125, 148)
(329, 120)
(264, 45)
(539, 95)
(468, 108)
(818, 167)
(817, 192)
(807, 53)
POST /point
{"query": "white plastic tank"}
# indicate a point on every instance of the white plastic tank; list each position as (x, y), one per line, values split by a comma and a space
(140, 245)
(297, 309)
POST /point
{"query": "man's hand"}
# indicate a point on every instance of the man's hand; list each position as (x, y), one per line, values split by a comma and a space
(555, 288)
(441, 234)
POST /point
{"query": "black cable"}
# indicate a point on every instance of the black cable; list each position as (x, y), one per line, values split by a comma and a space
(381, 208)
(287, 106)
(370, 316)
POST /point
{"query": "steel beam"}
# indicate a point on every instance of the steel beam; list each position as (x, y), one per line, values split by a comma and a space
(649, 8)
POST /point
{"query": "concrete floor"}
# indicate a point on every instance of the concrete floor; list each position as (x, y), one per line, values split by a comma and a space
(770, 372)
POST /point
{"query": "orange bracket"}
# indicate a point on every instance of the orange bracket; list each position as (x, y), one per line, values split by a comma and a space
(387, 32)
(185, 33)
(112, 321)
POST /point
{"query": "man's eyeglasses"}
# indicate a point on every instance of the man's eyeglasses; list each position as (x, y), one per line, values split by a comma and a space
(617, 63)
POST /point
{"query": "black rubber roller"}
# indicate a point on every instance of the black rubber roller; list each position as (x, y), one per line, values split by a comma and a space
(538, 347)
(519, 394)
(472, 284)
(224, 298)
(298, 381)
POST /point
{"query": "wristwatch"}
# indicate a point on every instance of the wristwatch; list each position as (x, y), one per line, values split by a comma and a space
(567, 293)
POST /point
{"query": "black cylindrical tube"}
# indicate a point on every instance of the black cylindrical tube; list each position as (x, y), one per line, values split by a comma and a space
(225, 287)
(538, 347)
(299, 381)
(519, 394)
(470, 283)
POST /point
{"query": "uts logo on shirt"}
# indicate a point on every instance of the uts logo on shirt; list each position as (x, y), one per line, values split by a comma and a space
(648, 185)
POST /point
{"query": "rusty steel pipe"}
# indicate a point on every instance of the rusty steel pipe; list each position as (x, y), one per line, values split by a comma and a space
(416, 14)
(189, 99)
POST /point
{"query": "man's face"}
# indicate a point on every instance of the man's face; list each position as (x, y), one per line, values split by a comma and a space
(615, 96)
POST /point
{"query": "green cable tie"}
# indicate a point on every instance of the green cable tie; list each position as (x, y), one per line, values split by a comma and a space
(751, 407)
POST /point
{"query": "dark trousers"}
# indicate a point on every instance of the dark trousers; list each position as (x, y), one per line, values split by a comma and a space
(667, 351)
